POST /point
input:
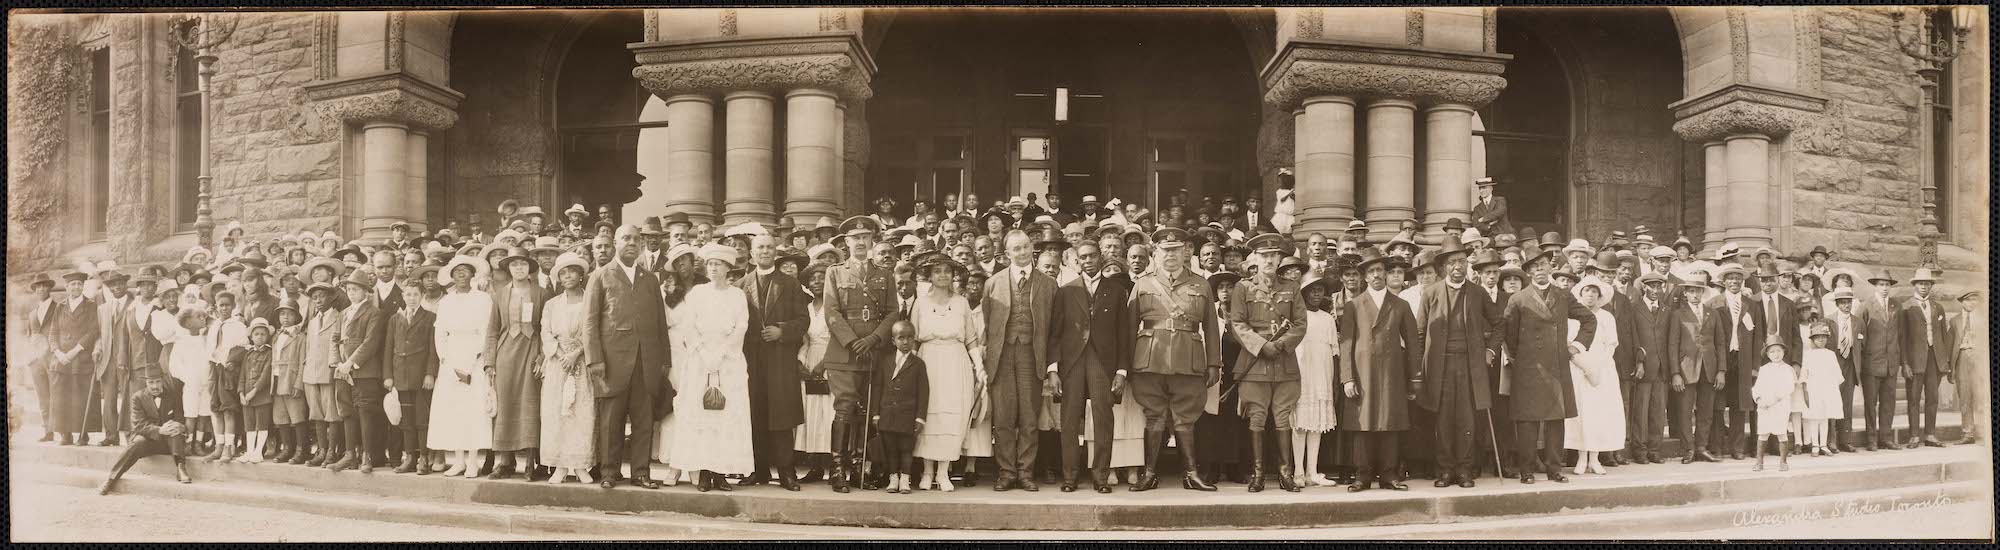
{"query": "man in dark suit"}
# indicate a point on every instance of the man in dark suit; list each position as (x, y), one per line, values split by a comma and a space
(1735, 323)
(1017, 303)
(625, 348)
(1379, 373)
(1689, 353)
(413, 365)
(1783, 314)
(358, 356)
(1490, 213)
(73, 334)
(158, 427)
(1460, 338)
(1879, 360)
(1091, 350)
(388, 293)
(1543, 395)
(778, 310)
(1646, 412)
(1927, 351)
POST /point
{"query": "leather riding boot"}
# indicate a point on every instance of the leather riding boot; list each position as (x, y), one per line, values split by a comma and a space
(1149, 478)
(837, 472)
(1189, 480)
(1256, 484)
(1286, 479)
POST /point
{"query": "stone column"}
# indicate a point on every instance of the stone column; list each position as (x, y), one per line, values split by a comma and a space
(1749, 190)
(747, 190)
(383, 183)
(1715, 194)
(416, 177)
(1448, 177)
(691, 157)
(812, 162)
(1323, 150)
(1391, 166)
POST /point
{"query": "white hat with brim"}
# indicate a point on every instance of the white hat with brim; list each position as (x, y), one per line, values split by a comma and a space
(569, 260)
(718, 252)
(478, 268)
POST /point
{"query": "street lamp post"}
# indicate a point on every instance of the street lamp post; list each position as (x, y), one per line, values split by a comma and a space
(1932, 53)
(202, 33)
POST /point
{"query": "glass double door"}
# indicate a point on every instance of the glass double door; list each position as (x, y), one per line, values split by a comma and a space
(1069, 160)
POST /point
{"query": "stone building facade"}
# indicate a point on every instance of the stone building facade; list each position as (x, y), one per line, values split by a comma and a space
(1782, 126)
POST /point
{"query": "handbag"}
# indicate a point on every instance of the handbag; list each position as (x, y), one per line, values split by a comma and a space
(711, 399)
(817, 386)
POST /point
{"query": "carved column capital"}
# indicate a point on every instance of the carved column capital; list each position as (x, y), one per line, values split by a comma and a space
(1308, 68)
(833, 61)
(1744, 109)
(386, 97)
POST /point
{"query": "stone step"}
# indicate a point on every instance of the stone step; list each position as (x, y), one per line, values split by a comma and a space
(1169, 508)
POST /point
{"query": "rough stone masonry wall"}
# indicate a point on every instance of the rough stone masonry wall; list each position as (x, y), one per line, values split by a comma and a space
(37, 97)
(1854, 186)
(277, 162)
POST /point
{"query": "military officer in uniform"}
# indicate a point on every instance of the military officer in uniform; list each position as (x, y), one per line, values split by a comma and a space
(860, 298)
(1269, 318)
(1177, 354)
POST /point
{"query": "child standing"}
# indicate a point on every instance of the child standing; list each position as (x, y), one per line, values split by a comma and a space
(288, 395)
(903, 397)
(253, 369)
(1823, 381)
(226, 337)
(1776, 381)
(1314, 415)
(324, 408)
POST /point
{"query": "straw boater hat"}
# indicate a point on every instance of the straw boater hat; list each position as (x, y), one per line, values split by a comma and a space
(576, 211)
(1924, 275)
(1843, 294)
(718, 252)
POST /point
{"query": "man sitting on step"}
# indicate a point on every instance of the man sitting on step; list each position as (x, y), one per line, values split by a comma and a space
(157, 428)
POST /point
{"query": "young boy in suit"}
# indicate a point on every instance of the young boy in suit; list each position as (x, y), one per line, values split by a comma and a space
(413, 366)
(902, 397)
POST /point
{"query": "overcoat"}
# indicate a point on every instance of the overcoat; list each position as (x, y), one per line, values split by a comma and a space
(1536, 332)
(1379, 352)
(776, 300)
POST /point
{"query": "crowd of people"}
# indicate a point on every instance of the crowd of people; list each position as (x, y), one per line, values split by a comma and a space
(1037, 343)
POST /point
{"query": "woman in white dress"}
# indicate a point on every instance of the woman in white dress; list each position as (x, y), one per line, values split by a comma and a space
(673, 291)
(947, 343)
(462, 403)
(713, 442)
(1314, 414)
(816, 435)
(568, 409)
(1599, 424)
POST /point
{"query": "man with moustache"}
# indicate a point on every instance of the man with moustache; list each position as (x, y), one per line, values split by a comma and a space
(1176, 356)
(1091, 350)
(1543, 393)
(1017, 302)
(860, 306)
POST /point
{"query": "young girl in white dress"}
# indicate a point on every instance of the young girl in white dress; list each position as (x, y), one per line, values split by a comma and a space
(1772, 392)
(1822, 380)
(713, 442)
(673, 289)
(947, 344)
(1599, 424)
(1314, 414)
(462, 401)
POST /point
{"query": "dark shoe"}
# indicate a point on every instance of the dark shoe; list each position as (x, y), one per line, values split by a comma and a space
(1932, 441)
(1394, 486)
(1969, 439)
(1357, 487)
(368, 466)
(1101, 484)
(607, 482)
(1069, 485)
(1003, 482)
(1527, 478)
(501, 471)
(871, 482)
(721, 484)
(1047, 478)
(1148, 480)
(181, 474)
(347, 462)
(1557, 477)
(645, 481)
(1913, 443)
(105, 488)
(1465, 482)
(1193, 482)
(316, 460)
(1608, 460)
(838, 477)
(1654, 457)
(759, 478)
(110, 440)
(1445, 481)
(1687, 459)
(1845, 447)
(409, 464)
(1027, 485)
(788, 479)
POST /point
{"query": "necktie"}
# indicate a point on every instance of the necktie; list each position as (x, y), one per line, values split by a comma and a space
(1735, 315)
(1929, 339)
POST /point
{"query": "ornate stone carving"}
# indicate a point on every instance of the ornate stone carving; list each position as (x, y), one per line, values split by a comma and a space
(726, 23)
(1744, 109)
(397, 21)
(652, 25)
(326, 29)
(1312, 23)
(832, 61)
(1806, 23)
(1309, 68)
(1413, 26)
(1739, 44)
(1491, 21)
(392, 96)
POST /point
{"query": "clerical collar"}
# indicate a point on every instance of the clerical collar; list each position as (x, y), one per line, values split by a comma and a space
(1454, 286)
(762, 271)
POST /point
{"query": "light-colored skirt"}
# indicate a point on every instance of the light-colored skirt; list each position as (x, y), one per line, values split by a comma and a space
(816, 435)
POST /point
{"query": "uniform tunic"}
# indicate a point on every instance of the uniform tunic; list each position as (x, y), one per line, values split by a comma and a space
(1178, 340)
(1268, 313)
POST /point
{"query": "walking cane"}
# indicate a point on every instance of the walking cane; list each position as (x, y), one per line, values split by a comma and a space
(1492, 436)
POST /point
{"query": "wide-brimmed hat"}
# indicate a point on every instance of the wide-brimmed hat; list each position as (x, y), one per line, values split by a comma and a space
(1842, 294)
(1564, 273)
(1883, 276)
(364, 278)
(1512, 271)
(1219, 278)
(718, 252)
(1660, 252)
(821, 249)
(516, 253)
(576, 210)
(546, 243)
(1329, 283)
(478, 268)
(1579, 245)
(41, 280)
(1371, 256)
(1291, 262)
(1924, 275)
(1454, 224)
(826, 223)
(1486, 258)
(795, 259)
(569, 260)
